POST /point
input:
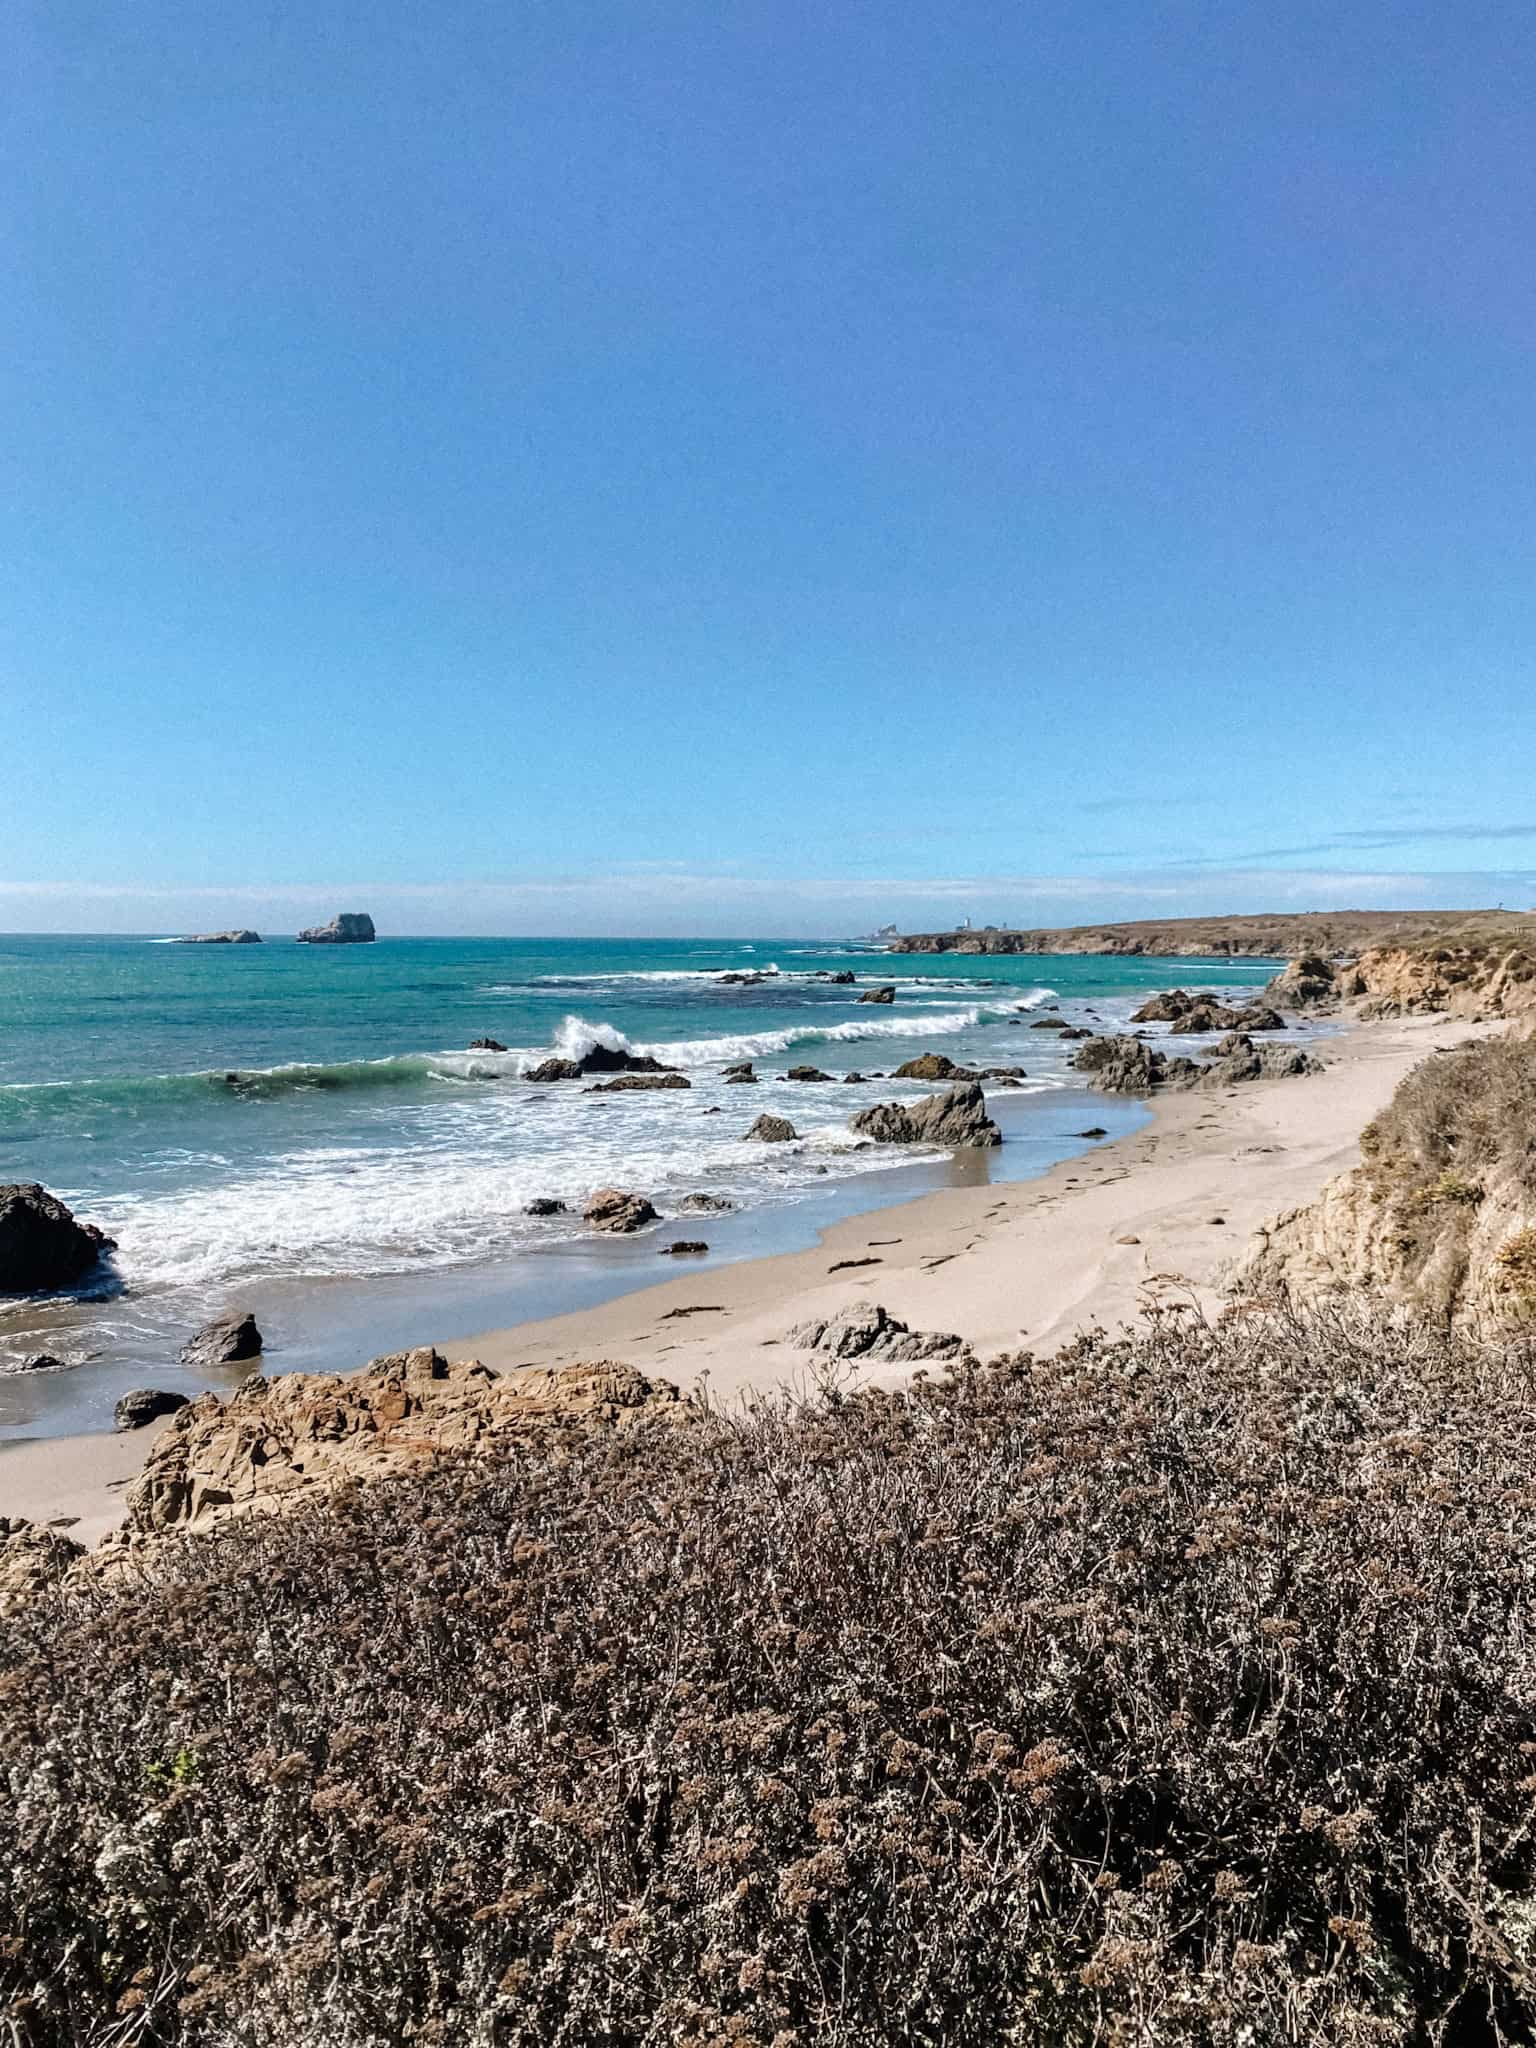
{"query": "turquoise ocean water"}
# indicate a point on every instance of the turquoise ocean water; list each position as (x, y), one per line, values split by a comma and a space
(362, 1179)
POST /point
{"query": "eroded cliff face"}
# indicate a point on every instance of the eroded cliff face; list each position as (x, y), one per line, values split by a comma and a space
(1441, 1212)
(1464, 981)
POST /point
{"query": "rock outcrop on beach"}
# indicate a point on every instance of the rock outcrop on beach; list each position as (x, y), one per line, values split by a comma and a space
(228, 1340)
(347, 928)
(145, 1405)
(33, 1560)
(885, 994)
(273, 1443)
(865, 1332)
(1130, 1066)
(928, 1066)
(1188, 1013)
(773, 1130)
(42, 1246)
(619, 1211)
(957, 1119)
(1441, 1212)
(1310, 983)
(232, 938)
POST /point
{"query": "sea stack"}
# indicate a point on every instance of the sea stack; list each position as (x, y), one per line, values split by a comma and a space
(347, 928)
(239, 938)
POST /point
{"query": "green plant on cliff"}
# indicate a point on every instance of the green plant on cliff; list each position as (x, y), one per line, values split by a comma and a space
(1175, 1690)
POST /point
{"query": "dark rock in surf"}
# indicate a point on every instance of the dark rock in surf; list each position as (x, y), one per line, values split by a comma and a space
(227, 1340)
(41, 1361)
(684, 1248)
(42, 1246)
(773, 1130)
(806, 1074)
(958, 1118)
(705, 1205)
(885, 995)
(145, 1404)
(544, 1205)
(486, 1045)
(626, 1082)
(615, 1210)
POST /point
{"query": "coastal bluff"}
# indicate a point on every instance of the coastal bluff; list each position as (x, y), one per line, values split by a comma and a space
(1269, 936)
(347, 928)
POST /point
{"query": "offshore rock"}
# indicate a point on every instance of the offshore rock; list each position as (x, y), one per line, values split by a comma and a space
(887, 994)
(486, 1045)
(42, 1247)
(806, 1074)
(347, 928)
(957, 1118)
(232, 938)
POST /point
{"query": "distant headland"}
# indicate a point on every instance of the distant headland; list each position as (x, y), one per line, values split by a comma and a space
(1271, 935)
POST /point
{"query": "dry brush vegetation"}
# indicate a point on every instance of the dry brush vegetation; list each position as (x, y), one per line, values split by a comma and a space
(1176, 1689)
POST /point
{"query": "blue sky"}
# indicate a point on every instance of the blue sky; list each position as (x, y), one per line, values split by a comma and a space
(660, 467)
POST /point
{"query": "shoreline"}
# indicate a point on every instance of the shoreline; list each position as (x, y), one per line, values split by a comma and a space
(1022, 1265)
(1006, 1265)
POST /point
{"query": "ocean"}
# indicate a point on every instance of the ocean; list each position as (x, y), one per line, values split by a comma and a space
(302, 1130)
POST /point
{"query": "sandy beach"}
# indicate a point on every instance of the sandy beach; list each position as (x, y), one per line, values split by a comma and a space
(1160, 1212)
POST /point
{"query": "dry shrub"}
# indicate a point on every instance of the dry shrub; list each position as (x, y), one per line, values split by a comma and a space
(1177, 1689)
(1462, 1114)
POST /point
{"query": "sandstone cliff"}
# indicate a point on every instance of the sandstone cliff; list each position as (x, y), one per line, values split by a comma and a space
(1441, 1213)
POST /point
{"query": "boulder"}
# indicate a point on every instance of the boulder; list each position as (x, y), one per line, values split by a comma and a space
(1048, 1024)
(615, 1210)
(42, 1247)
(32, 1562)
(545, 1205)
(41, 1361)
(227, 1340)
(347, 928)
(740, 1073)
(957, 1118)
(146, 1404)
(806, 1074)
(928, 1066)
(684, 1247)
(486, 1045)
(855, 1076)
(864, 1331)
(705, 1205)
(642, 1081)
(234, 938)
(844, 978)
(773, 1130)
(887, 994)
(1172, 1005)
